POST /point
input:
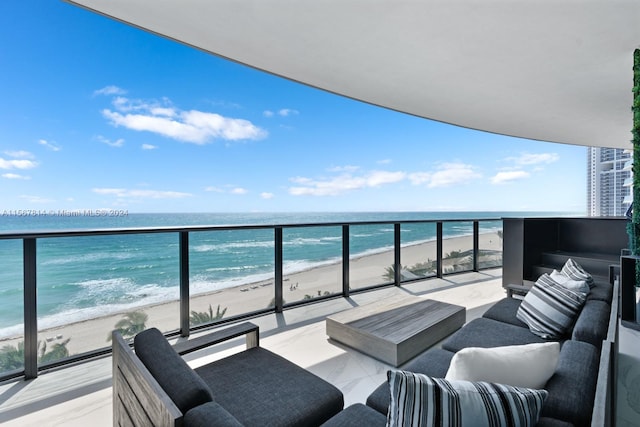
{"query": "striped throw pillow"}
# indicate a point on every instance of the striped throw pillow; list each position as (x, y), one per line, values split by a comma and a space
(550, 309)
(574, 271)
(421, 401)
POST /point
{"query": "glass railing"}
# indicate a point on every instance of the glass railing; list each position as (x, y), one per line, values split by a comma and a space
(63, 292)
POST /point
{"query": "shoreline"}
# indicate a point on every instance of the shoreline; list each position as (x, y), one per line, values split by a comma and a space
(91, 334)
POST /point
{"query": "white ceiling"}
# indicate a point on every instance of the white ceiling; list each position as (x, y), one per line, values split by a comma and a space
(552, 70)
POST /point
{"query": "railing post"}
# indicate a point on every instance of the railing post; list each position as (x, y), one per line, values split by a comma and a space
(30, 309)
(439, 249)
(397, 267)
(345, 261)
(278, 269)
(184, 283)
(476, 244)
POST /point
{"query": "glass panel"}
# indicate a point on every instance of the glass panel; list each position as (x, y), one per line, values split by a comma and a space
(90, 285)
(312, 262)
(231, 273)
(457, 247)
(371, 260)
(12, 303)
(418, 253)
(490, 244)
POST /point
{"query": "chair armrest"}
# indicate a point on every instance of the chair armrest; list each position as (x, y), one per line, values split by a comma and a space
(246, 328)
(516, 289)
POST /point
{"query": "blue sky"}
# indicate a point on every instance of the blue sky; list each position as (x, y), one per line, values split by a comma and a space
(96, 114)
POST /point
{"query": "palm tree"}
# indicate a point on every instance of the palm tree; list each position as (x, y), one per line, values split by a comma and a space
(58, 351)
(11, 357)
(132, 323)
(198, 318)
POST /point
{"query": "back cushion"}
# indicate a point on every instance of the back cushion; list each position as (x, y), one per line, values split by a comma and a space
(177, 379)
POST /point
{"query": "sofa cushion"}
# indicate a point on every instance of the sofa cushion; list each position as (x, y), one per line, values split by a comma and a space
(434, 363)
(418, 399)
(601, 290)
(572, 387)
(574, 271)
(357, 415)
(177, 379)
(505, 311)
(209, 414)
(484, 332)
(260, 388)
(505, 364)
(593, 322)
(550, 309)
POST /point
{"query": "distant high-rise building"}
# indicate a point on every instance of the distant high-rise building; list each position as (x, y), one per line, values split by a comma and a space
(608, 181)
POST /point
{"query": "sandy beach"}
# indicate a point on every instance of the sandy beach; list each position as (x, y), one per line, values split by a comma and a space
(364, 271)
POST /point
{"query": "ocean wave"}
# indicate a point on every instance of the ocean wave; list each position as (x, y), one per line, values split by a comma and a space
(225, 247)
(88, 257)
(141, 296)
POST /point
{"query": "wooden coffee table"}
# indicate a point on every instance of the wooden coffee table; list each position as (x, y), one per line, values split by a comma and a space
(396, 329)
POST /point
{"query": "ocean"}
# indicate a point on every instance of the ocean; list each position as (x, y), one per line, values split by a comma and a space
(84, 277)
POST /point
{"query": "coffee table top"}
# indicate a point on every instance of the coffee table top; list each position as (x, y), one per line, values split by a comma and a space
(398, 318)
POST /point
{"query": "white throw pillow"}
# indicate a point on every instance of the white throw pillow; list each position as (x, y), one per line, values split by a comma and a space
(529, 365)
(567, 282)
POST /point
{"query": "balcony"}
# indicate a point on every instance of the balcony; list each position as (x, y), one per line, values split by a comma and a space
(81, 394)
(71, 288)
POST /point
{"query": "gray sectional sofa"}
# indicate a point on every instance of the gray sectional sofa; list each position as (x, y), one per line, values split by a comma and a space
(571, 389)
(154, 386)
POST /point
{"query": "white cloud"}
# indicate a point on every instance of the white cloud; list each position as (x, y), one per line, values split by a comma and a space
(15, 176)
(449, 174)
(418, 178)
(50, 145)
(21, 154)
(265, 195)
(384, 161)
(193, 126)
(141, 194)
(214, 189)
(239, 190)
(148, 147)
(343, 183)
(508, 176)
(534, 159)
(17, 164)
(347, 168)
(110, 90)
(283, 112)
(117, 143)
(36, 199)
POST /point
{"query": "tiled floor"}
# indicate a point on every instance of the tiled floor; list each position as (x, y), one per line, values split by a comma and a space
(81, 395)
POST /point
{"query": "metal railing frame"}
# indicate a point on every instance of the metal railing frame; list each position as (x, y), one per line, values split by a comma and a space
(29, 240)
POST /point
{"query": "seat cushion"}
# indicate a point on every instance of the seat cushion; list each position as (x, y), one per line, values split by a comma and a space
(209, 414)
(177, 379)
(485, 333)
(434, 363)
(571, 392)
(505, 311)
(357, 415)
(260, 388)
